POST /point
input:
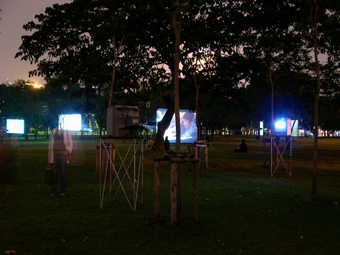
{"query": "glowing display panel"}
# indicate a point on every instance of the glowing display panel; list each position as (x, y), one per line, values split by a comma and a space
(15, 126)
(188, 126)
(70, 122)
(282, 127)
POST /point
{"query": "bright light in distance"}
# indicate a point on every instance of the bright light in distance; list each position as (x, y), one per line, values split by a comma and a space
(281, 124)
(15, 126)
(70, 122)
(35, 85)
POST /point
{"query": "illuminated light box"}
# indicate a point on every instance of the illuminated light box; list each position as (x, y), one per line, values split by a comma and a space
(261, 128)
(70, 122)
(295, 127)
(15, 126)
(188, 126)
(282, 127)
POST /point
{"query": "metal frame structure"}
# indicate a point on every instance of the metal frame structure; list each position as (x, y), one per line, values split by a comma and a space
(118, 170)
(274, 146)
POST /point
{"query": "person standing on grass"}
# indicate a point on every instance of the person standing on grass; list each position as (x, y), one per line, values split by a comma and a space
(59, 154)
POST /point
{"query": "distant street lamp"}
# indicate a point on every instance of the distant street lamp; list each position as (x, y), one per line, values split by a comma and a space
(35, 85)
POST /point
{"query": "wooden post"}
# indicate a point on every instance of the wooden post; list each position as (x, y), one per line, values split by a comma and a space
(264, 152)
(198, 155)
(174, 193)
(113, 158)
(195, 186)
(175, 186)
(97, 159)
(179, 191)
(156, 191)
(291, 155)
(103, 164)
(206, 159)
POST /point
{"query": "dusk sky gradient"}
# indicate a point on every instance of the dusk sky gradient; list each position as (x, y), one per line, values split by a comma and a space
(14, 14)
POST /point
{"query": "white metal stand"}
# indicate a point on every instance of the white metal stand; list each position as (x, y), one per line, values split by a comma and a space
(274, 147)
(118, 171)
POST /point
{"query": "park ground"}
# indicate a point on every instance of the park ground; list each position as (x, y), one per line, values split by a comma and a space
(242, 208)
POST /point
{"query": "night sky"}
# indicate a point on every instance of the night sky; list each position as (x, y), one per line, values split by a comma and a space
(14, 14)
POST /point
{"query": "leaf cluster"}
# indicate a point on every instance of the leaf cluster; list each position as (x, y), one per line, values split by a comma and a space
(245, 41)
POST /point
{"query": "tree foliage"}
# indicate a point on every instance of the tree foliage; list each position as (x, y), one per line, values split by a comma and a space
(258, 49)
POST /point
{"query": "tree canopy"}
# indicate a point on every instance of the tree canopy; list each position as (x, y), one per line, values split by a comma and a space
(256, 48)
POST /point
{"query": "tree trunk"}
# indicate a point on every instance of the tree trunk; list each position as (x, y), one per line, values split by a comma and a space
(197, 106)
(177, 29)
(314, 12)
(116, 52)
(158, 145)
(272, 85)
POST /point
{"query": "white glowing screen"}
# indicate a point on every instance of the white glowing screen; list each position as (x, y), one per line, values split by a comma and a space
(188, 126)
(70, 122)
(15, 126)
(280, 126)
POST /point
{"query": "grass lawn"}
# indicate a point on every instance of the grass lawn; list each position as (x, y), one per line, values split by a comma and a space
(242, 209)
